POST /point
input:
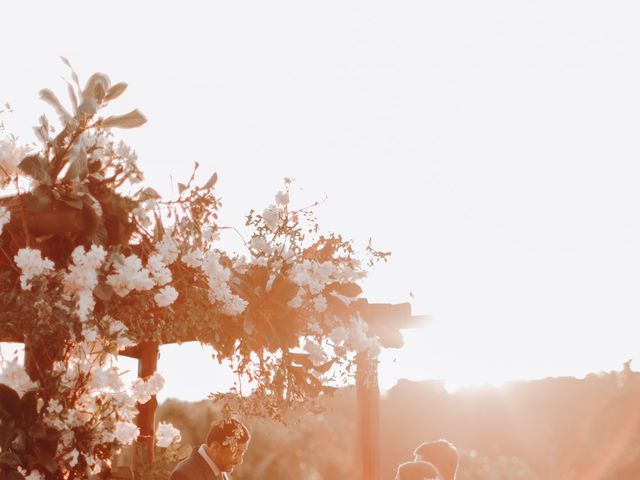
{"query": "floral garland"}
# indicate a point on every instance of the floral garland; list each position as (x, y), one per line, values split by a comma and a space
(80, 260)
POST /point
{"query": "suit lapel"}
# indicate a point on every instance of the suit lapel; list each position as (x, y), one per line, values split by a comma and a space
(205, 469)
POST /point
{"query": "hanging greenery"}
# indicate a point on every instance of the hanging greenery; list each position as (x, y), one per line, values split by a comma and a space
(91, 263)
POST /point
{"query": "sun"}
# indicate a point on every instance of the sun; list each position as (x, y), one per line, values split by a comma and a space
(425, 356)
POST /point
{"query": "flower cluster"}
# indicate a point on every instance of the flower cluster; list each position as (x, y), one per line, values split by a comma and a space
(11, 154)
(82, 277)
(14, 375)
(31, 263)
(98, 271)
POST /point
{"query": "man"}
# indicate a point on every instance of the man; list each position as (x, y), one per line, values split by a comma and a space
(442, 454)
(226, 444)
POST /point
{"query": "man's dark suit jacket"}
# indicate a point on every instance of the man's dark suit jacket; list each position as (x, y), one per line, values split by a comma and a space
(194, 467)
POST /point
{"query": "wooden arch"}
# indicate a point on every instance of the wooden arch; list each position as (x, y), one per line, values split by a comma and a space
(384, 320)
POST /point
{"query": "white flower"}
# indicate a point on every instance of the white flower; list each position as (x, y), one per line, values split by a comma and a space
(14, 375)
(271, 217)
(234, 306)
(106, 379)
(193, 259)
(359, 340)
(158, 269)
(89, 333)
(126, 432)
(130, 276)
(10, 156)
(296, 302)
(142, 390)
(116, 326)
(211, 234)
(54, 407)
(35, 475)
(5, 217)
(72, 457)
(338, 335)
(320, 303)
(131, 158)
(167, 249)
(260, 245)
(166, 435)
(32, 264)
(141, 214)
(282, 198)
(82, 277)
(240, 264)
(315, 351)
(166, 296)
(313, 275)
(219, 290)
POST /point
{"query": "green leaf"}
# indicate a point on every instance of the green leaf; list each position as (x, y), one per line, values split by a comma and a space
(36, 167)
(132, 119)
(73, 98)
(73, 202)
(14, 475)
(40, 198)
(49, 97)
(283, 289)
(158, 229)
(96, 87)
(45, 455)
(9, 459)
(115, 91)
(103, 291)
(78, 167)
(99, 235)
(324, 368)
(42, 131)
(9, 401)
(148, 194)
(28, 404)
(211, 182)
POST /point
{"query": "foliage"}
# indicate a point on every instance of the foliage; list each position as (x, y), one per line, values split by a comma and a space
(26, 443)
(91, 263)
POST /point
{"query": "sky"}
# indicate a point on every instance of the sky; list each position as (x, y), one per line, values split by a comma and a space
(491, 146)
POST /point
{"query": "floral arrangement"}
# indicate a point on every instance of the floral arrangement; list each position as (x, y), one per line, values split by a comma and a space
(85, 250)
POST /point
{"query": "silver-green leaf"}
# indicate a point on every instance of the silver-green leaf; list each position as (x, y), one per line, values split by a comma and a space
(132, 119)
(115, 91)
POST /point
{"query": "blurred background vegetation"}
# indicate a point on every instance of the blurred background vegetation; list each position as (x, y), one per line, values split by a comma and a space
(550, 429)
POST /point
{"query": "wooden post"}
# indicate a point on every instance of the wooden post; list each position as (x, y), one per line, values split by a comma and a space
(39, 358)
(368, 394)
(144, 446)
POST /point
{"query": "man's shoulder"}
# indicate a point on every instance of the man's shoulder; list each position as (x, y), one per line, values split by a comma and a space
(187, 467)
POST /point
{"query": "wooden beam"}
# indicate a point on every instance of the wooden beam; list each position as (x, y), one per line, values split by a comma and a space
(386, 320)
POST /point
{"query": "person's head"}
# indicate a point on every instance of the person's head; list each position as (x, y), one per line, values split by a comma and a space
(227, 443)
(418, 470)
(440, 453)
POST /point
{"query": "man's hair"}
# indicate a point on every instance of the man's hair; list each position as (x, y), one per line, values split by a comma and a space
(442, 454)
(418, 470)
(230, 431)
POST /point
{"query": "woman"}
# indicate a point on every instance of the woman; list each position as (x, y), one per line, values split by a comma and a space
(418, 470)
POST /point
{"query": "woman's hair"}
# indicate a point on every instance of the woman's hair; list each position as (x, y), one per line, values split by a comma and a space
(418, 470)
(442, 454)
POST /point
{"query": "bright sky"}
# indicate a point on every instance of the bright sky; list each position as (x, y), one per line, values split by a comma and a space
(492, 146)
